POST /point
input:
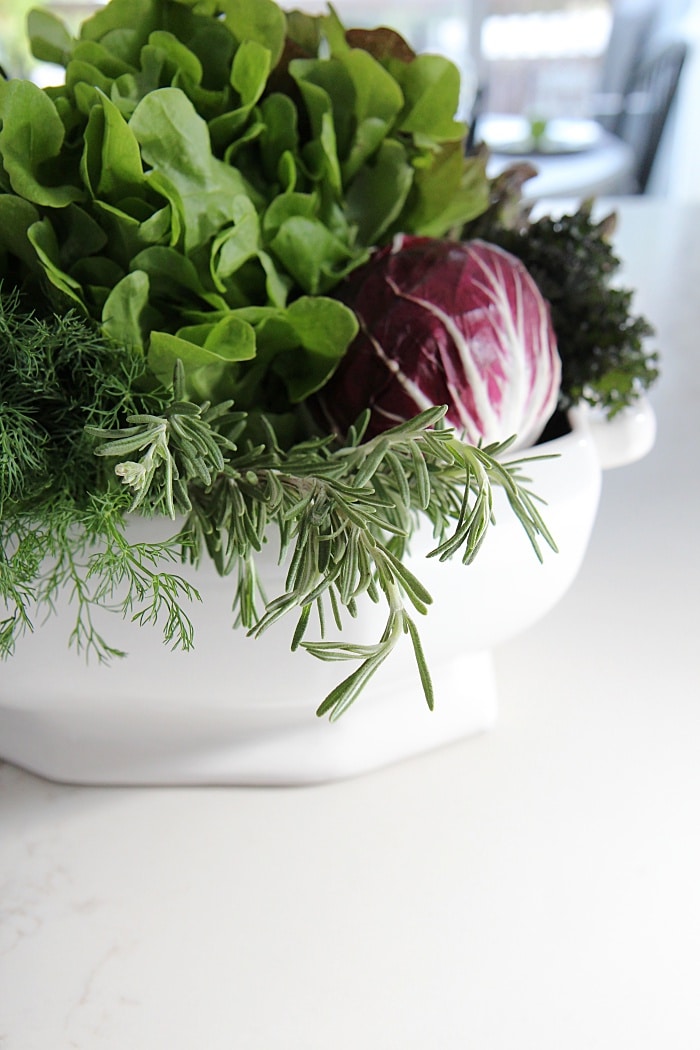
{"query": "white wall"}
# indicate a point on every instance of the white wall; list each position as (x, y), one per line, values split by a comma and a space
(677, 173)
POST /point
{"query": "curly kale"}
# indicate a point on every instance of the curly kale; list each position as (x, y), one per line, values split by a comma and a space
(601, 342)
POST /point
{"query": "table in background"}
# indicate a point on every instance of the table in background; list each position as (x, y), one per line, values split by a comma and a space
(605, 166)
(535, 888)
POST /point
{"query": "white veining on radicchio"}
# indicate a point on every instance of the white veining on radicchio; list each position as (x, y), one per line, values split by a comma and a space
(442, 322)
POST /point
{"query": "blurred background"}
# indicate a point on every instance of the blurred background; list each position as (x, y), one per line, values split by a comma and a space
(630, 66)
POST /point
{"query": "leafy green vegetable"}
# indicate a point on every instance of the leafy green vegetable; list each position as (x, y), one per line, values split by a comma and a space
(32, 135)
(264, 152)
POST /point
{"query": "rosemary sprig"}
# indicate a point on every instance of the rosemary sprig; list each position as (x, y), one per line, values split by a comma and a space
(345, 516)
(178, 447)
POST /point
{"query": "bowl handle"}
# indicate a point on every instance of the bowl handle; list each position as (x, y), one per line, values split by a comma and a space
(625, 438)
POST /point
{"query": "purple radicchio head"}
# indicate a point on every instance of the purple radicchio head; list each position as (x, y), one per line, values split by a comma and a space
(446, 323)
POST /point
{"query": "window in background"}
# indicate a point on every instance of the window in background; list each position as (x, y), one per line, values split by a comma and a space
(14, 50)
(529, 56)
(544, 57)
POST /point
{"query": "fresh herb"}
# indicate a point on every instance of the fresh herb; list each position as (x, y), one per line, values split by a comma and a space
(58, 376)
(82, 550)
(601, 342)
(343, 513)
(179, 448)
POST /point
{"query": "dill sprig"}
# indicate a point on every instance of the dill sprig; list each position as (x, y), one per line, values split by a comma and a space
(58, 376)
(83, 551)
(61, 517)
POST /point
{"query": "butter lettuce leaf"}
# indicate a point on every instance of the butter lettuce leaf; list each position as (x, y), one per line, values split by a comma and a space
(209, 158)
(32, 136)
(174, 141)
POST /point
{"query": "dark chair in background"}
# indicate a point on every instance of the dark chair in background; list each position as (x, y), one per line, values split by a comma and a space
(639, 80)
(646, 104)
(633, 27)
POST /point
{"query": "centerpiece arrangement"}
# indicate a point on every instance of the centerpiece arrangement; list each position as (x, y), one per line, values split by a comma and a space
(254, 295)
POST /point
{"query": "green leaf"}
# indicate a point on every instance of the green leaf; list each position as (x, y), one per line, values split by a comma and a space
(277, 284)
(305, 30)
(128, 234)
(430, 84)
(334, 33)
(377, 195)
(42, 236)
(423, 671)
(377, 93)
(261, 21)
(250, 70)
(287, 206)
(207, 352)
(174, 140)
(16, 217)
(85, 74)
(230, 338)
(279, 115)
(212, 43)
(102, 58)
(182, 61)
(125, 316)
(449, 192)
(371, 133)
(78, 235)
(111, 162)
(173, 277)
(225, 127)
(127, 25)
(251, 132)
(330, 97)
(49, 39)
(31, 140)
(97, 275)
(237, 244)
(324, 328)
(314, 256)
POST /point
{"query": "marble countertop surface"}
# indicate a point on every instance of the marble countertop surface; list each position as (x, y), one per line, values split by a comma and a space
(536, 887)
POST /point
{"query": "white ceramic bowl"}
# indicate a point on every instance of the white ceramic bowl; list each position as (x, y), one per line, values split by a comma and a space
(242, 711)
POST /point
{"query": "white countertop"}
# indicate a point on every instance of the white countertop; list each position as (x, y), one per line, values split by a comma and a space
(535, 888)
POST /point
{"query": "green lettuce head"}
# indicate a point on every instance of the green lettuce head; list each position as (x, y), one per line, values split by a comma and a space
(211, 169)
